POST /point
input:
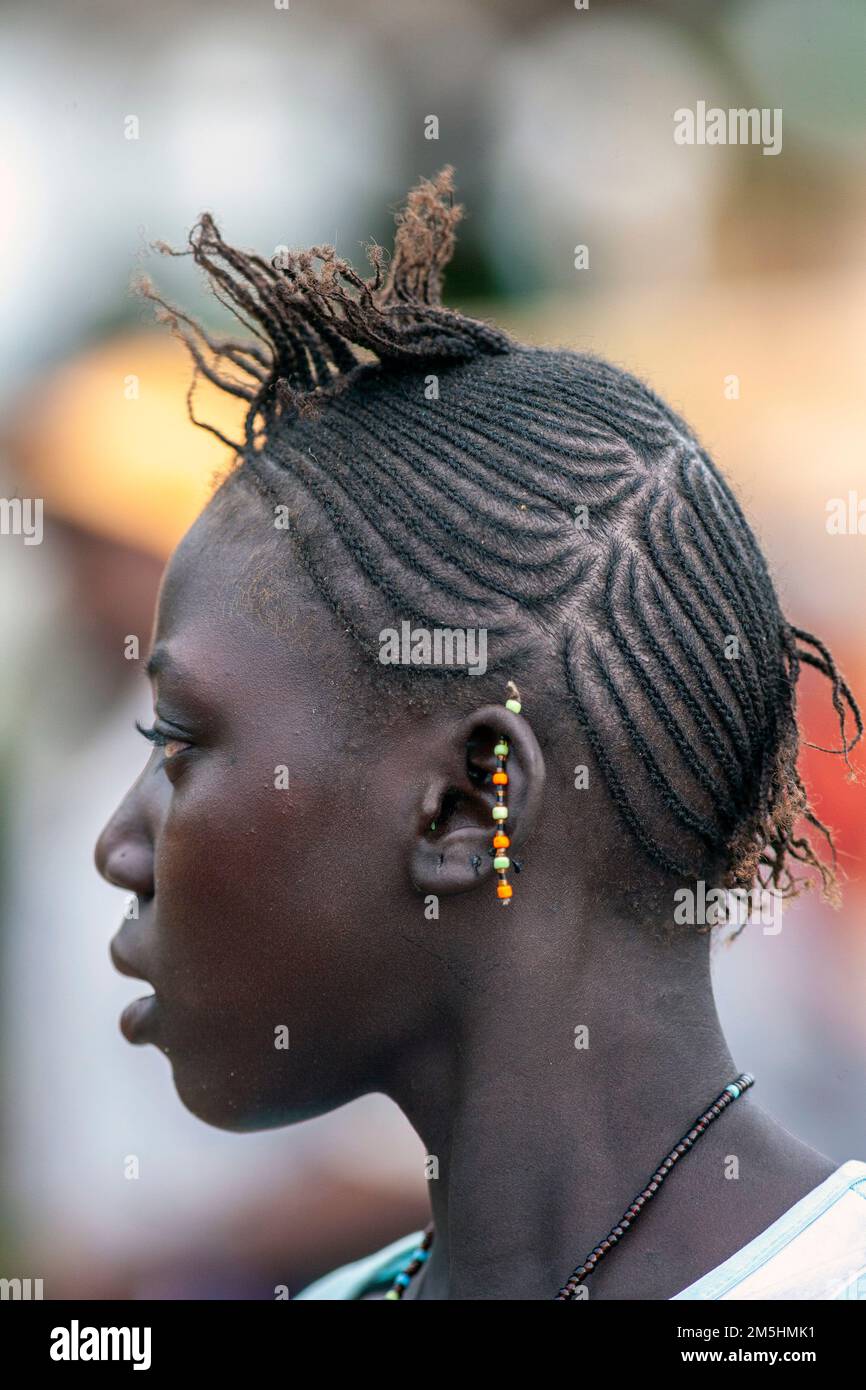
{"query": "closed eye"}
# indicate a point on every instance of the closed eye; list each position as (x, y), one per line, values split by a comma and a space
(168, 742)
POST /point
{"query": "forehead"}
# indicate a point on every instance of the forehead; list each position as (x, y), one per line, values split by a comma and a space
(217, 557)
(236, 608)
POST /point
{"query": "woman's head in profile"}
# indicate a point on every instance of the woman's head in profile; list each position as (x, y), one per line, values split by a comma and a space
(422, 510)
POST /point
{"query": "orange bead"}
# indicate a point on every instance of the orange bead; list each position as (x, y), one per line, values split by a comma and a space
(501, 842)
(500, 779)
(504, 890)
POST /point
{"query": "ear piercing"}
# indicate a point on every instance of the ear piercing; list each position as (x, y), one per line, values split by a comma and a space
(501, 841)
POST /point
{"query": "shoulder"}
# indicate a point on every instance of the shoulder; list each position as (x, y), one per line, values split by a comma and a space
(816, 1250)
(353, 1280)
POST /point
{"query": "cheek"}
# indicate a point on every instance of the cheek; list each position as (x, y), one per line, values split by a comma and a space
(262, 889)
(260, 931)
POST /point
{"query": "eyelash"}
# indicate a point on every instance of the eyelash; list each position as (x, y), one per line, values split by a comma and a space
(161, 740)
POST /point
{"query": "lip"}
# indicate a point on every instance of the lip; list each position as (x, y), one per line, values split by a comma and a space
(123, 960)
(137, 1022)
(138, 1019)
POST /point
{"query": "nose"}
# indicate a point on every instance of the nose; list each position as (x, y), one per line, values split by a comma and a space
(124, 850)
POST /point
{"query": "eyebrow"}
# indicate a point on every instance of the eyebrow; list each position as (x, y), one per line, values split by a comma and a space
(160, 661)
(181, 691)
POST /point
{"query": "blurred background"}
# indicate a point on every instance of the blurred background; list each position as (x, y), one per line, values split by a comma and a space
(733, 281)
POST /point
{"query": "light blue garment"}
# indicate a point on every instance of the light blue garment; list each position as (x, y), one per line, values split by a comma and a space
(381, 1269)
(817, 1250)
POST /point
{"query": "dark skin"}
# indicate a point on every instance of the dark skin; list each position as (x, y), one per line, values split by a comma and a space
(263, 907)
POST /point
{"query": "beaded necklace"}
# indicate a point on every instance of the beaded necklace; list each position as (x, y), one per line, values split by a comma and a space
(581, 1273)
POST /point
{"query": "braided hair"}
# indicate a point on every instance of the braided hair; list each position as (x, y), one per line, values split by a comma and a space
(441, 472)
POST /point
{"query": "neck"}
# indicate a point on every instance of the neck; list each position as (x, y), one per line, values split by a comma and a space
(553, 1097)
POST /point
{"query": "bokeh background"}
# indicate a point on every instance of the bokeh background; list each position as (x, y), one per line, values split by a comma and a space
(119, 123)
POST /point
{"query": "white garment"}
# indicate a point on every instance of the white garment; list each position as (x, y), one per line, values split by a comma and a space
(816, 1250)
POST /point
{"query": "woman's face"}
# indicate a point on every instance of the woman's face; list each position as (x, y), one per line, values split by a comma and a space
(259, 840)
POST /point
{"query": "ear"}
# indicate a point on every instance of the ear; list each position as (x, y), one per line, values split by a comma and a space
(452, 844)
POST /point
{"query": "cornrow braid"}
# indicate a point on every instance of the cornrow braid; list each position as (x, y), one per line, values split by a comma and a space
(437, 471)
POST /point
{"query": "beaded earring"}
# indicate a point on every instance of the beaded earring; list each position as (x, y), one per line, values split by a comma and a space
(501, 841)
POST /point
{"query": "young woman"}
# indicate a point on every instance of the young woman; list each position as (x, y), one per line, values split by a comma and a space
(469, 672)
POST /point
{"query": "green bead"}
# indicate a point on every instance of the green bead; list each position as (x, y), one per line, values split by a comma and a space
(501, 750)
(513, 705)
(501, 861)
(500, 812)
(392, 1293)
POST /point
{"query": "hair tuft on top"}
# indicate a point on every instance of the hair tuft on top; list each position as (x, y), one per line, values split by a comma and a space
(313, 316)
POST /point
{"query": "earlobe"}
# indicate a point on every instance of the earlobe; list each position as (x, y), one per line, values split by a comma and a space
(461, 829)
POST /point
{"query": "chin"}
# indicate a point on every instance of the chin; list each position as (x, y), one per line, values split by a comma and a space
(235, 1108)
